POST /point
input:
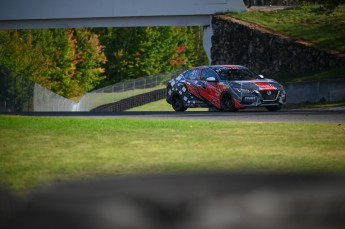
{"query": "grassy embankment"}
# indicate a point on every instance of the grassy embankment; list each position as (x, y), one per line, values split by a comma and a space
(304, 23)
(36, 151)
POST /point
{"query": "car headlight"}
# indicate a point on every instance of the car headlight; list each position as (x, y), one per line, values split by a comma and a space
(282, 94)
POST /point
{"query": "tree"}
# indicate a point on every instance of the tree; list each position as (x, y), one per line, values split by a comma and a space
(89, 59)
(66, 61)
(19, 53)
(59, 49)
(142, 51)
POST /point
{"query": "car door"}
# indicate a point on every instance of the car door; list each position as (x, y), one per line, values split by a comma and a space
(192, 77)
(209, 90)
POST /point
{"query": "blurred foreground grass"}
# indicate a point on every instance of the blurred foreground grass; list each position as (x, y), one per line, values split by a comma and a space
(38, 150)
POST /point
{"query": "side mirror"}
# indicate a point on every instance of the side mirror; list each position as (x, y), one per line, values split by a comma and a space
(211, 79)
(261, 76)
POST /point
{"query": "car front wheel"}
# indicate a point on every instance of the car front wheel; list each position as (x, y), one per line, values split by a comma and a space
(177, 103)
(226, 103)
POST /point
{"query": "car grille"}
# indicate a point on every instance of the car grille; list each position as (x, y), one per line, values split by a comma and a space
(269, 95)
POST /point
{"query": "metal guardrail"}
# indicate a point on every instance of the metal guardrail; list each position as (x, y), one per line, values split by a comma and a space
(134, 101)
(22, 95)
(123, 90)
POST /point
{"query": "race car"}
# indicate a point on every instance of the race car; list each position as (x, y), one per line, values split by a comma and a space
(224, 88)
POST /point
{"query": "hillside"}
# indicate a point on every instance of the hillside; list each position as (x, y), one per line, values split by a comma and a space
(305, 26)
(303, 23)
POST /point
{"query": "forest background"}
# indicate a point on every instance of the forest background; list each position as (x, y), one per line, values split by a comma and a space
(73, 61)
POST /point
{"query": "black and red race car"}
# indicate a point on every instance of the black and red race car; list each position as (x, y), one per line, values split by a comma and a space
(224, 88)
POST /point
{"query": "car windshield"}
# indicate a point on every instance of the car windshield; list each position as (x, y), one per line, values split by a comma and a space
(236, 74)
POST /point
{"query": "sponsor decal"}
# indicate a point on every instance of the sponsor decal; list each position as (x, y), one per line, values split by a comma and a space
(249, 99)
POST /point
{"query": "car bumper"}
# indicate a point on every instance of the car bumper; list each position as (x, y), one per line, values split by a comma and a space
(258, 100)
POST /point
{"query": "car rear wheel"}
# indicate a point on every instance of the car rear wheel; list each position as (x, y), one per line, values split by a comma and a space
(274, 108)
(226, 103)
(177, 103)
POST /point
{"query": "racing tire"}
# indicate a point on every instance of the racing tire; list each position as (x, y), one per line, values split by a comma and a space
(227, 103)
(177, 103)
(274, 108)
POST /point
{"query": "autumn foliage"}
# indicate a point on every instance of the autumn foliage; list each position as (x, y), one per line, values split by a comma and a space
(72, 62)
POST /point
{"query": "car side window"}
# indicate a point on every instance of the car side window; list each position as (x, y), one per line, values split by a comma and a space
(208, 73)
(192, 74)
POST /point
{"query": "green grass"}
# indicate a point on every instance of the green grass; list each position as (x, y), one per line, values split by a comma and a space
(37, 150)
(160, 105)
(303, 23)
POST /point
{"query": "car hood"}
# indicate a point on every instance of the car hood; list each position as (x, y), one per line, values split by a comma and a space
(262, 85)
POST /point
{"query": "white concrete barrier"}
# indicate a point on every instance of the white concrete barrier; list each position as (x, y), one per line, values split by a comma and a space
(316, 91)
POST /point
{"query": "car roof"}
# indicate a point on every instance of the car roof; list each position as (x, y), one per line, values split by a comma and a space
(219, 66)
(226, 66)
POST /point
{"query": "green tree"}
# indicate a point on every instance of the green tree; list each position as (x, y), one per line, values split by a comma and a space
(19, 53)
(137, 52)
(59, 49)
(89, 59)
(66, 61)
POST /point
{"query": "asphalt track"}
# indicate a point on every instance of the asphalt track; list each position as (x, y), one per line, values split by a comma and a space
(325, 115)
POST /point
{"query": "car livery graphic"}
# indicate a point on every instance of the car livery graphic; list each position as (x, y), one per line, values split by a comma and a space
(224, 88)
